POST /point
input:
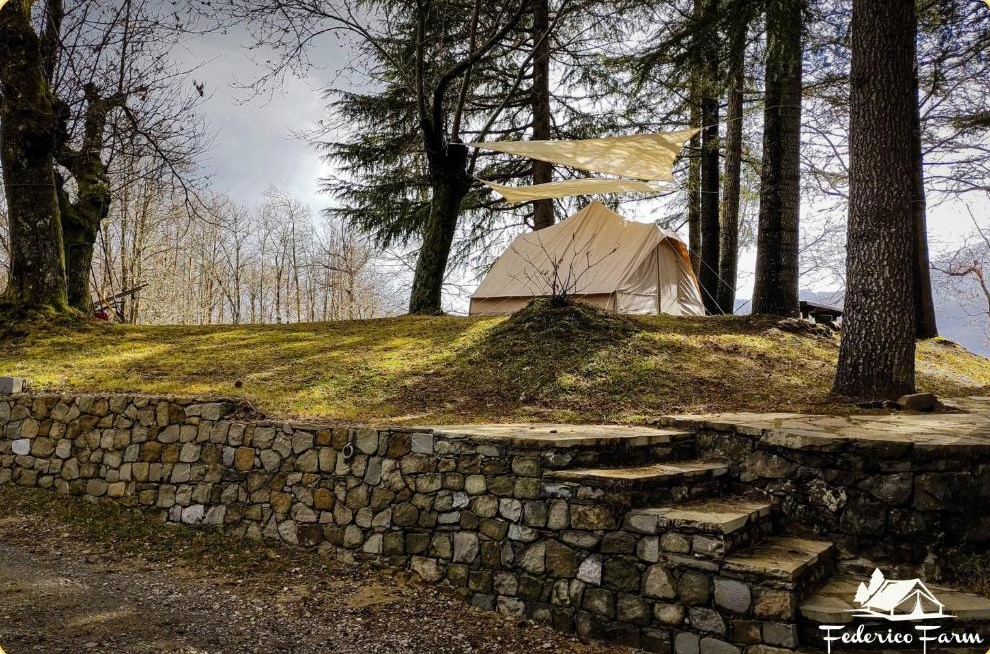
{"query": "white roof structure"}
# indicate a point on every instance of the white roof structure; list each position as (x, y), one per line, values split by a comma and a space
(600, 258)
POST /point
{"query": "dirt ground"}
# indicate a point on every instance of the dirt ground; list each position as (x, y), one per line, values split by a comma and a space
(82, 578)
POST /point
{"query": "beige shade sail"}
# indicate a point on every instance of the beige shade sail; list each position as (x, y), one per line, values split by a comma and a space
(602, 259)
(643, 156)
(569, 188)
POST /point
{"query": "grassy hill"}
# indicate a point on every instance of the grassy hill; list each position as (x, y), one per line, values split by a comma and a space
(569, 364)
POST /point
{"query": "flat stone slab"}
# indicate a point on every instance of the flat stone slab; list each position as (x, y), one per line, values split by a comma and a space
(716, 516)
(960, 433)
(525, 435)
(780, 558)
(657, 473)
(12, 385)
(833, 603)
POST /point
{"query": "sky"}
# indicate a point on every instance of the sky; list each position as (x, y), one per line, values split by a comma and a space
(256, 136)
(257, 143)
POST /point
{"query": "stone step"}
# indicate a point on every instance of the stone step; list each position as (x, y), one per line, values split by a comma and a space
(646, 475)
(639, 486)
(787, 561)
(833, 604)
(705, 529)
(569, 446)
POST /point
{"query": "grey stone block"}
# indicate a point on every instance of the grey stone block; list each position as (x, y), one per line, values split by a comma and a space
(12, 385)
(686, 643)
(732, 595)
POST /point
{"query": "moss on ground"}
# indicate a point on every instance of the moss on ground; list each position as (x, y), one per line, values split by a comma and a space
(545, 363)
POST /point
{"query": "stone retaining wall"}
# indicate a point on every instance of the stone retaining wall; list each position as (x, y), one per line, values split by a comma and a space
(474, 515)
(897, 502)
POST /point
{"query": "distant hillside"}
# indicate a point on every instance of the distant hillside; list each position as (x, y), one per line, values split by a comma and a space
(961, 324)
(571, 364)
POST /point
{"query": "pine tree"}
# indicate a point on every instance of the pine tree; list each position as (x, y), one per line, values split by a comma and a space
(876, 355)
(776, 284)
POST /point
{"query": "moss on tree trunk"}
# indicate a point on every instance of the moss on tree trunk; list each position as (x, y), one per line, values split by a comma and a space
(450, 183)
(27, 149)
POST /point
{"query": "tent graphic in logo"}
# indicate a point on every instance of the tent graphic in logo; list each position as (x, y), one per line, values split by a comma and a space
(893, 599)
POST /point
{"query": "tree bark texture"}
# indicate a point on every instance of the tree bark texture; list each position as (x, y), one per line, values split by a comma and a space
(27, 149)
(924, 305)
(876, 356)
(449, 183)
(81, 219)
(694, 187)
(710, 241)
(729, 229)
(542, 170)
(775, 288)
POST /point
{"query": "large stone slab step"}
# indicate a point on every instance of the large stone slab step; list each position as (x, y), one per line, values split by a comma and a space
(645, 485)
(783, 559)
(646, 475)
(705, 529)
(573, 446)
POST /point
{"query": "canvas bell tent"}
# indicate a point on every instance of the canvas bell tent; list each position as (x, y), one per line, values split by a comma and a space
(597, 257)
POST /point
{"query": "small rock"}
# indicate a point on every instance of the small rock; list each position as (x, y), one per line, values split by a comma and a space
(922, 402)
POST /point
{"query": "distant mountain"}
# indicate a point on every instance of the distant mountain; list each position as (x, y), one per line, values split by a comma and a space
(957, 322)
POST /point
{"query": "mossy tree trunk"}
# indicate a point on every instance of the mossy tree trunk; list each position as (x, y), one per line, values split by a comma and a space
(775, 289)
(446, 155)
(28, 128)
(449, 182)
(876, 356)
(81, 219)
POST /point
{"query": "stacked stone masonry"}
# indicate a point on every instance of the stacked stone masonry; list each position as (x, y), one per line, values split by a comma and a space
(897, 501)
(667, 560)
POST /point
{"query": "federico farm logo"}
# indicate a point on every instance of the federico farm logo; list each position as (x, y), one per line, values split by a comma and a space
(918, 618)
(897, 600)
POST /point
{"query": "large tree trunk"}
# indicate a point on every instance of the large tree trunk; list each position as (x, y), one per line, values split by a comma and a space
(81, 219)
(729, 231)
(542, 170)
(710, 241)
(80, 231)
(876, 357)
(924, 304)
(776, 285)
(27, 149)
(449, 183)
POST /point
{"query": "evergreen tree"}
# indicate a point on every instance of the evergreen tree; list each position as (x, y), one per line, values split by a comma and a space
(876, 356)
(777, 267)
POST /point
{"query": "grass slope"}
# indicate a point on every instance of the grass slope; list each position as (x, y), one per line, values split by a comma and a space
(546, 364)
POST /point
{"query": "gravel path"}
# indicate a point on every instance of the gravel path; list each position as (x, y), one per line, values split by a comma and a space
(63, 592)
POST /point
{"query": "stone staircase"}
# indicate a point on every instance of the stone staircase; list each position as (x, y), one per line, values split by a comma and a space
(733, 582)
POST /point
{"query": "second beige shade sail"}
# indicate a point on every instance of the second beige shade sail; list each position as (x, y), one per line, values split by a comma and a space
(570, 188)
(642, 156)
